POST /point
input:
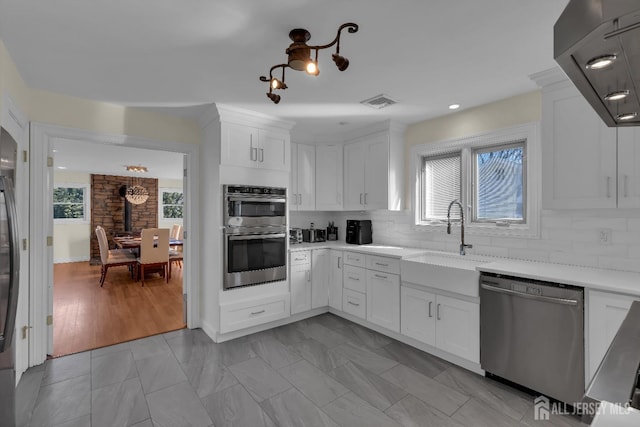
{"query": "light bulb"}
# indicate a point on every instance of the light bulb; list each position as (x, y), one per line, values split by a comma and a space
(312, 68)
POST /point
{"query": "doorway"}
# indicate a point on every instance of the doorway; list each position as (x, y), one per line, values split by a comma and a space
(122, 309)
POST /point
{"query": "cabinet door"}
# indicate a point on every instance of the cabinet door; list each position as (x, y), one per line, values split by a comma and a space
(578, 154)
(458, 327)
(606, 313)
(383, 299)
(306, 177)
(319, 278)
(354, 176)
(418, 319)
(376, 172)
(335, 279)
(629, 167)
(329, 180)
(293, 181)
(300, 281)
(274, 151)
(239, 145)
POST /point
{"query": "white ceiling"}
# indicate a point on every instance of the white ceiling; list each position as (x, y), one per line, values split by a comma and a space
(426, 54)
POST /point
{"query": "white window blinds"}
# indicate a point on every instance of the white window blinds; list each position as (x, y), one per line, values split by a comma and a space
(441, 184)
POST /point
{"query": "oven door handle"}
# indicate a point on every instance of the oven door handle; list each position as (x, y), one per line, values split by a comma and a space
(256, 199)
(257, 236)
(564, 301)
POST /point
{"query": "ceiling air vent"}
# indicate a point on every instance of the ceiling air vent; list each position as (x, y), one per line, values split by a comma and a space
(379, 101)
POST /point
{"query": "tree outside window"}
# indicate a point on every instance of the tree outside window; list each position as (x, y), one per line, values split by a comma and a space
(69, 203)
(172, 204)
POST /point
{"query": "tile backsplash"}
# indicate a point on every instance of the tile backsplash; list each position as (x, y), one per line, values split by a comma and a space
(566, 237)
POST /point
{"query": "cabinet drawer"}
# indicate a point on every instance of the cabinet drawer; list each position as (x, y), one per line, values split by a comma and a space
(250, 313)
(354, 303)
(354, 258)
(355, 278)
(300, 257)
(379, 263)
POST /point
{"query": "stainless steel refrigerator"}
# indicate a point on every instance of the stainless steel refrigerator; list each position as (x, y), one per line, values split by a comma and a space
(9, 268)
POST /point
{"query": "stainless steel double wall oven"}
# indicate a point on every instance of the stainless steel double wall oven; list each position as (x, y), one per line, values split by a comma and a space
(255, 235)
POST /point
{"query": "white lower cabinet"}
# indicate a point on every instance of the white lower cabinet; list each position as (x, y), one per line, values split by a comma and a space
(300, 281)
(335, 279)
(254, 312)
(450, 324)
(606, 312)
(319, 278)
(354, 303)
(383, 299)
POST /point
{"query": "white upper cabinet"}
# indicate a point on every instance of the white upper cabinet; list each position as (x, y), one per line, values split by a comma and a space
(354, 176)
(578, 153)
(303, 177)
(629, 167)
(329, 181)
(273, 150)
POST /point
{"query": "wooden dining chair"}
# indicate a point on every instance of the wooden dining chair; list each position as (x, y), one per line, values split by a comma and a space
(154, 252)
(112, 258)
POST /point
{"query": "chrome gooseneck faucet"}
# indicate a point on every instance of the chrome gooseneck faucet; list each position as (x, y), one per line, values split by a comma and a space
(462, 244)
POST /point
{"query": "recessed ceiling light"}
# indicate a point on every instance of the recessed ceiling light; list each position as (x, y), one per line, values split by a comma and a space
(62, 167)
(454, 106)
(626, 116)
(600, 62)
(617, 96)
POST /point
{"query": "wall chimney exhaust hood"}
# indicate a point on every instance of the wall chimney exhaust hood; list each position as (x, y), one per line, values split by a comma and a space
(597, 44)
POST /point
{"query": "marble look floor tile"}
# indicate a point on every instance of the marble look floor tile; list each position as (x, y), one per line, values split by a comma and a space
(207, 376)
(426, 389)
(369, 386)
(121, 404)
(112, 368)
(62, 401)
(234, 407)
(189, 346)
(418, 360)
(555, 420)
(476, 413)
(178, 332)
(318, 354)
(317, 386)
(505, 399)
(364, 337)
(26, 395)
(289, 334)
(177, 406)
(150, 346)
(274, 352)
(413, 412)
(110, 349)
(292, 409)
(324, 335)
(351, 411)
(64, 368)
(260, 335)
(82, 421)
(260, 379)
(331, 321)
(227, 353)
(145, 423)
(159, 371)
(365, 358)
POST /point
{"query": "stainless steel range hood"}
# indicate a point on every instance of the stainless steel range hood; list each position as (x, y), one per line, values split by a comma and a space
(591, 29)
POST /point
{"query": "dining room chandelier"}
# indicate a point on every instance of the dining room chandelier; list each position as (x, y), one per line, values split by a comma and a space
(136, 194)
(299, 58)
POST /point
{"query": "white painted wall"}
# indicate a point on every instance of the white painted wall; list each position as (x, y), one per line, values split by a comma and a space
(175, 184)
(71, 240)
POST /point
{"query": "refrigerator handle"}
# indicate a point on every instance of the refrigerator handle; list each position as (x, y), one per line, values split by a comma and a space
(6, 186)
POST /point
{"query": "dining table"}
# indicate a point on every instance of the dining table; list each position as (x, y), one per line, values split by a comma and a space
(131, 242)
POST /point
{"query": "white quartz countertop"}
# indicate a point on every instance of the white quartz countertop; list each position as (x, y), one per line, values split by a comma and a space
(371, 249)
(591, 278)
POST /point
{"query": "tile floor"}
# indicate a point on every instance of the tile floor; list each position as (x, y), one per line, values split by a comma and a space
(323, 371)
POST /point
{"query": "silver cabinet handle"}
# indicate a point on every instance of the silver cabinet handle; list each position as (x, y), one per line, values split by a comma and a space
(299, 259)
(438, 312)
(430, 304)
(564, 301)
(365, 198)
(381, 264)
(339, 259)
(353, 303)
(608, 187)
(254, 154)
(361, 199)
(6, 186)
(380, 276)
(625, 185)
(253, 313)
(308, 275)
(354, 278)
(261, 153)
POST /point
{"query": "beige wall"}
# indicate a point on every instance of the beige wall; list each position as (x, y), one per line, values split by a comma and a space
(71, 241)
(501, 114)
(11, 82)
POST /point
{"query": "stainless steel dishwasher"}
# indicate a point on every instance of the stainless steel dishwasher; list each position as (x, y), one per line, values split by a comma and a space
(532, 334)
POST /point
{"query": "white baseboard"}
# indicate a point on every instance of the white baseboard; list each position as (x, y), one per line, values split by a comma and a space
(68, 260)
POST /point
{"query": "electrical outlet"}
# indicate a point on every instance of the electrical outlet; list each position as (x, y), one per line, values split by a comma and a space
(604, 236)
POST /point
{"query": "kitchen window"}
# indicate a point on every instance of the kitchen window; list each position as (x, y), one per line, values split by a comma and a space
(70, 203)
(492, 175)
(171, 203)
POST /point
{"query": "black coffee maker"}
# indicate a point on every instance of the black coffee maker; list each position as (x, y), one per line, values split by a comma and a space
(359, 231)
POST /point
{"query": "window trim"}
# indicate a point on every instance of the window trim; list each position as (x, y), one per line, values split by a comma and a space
(530, 132)
(163, 190)
(86, 202)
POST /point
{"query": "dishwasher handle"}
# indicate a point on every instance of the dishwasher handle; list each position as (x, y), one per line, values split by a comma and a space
(554, 300)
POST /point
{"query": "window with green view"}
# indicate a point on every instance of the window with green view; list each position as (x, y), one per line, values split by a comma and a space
(69, 203)
(172, 204)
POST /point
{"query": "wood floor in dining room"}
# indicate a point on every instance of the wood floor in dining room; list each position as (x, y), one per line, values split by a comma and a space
(86, 316)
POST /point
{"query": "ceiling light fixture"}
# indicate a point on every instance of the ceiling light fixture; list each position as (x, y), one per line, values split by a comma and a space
(626, 116)
(600, 62)
(137, 169)
(299, 58)
(617, 95)
(136, 194)
(454, 106)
